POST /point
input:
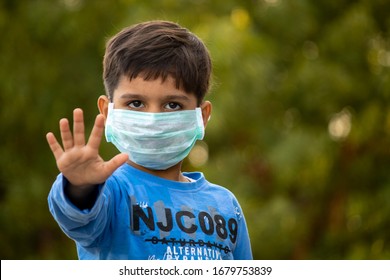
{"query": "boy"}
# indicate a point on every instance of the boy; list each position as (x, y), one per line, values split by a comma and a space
(139, 205)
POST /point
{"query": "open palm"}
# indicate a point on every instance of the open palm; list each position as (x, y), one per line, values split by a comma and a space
(78, 161)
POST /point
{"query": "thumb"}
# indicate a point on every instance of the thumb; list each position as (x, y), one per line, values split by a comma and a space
(116, 162)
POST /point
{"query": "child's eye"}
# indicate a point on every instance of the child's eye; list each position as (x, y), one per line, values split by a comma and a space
(173, 106)
(135, 104)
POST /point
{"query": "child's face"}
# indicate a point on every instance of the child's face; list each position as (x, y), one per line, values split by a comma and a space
(153, 96)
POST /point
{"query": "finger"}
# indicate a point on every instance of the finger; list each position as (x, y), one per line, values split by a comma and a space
(97, 132)
(54, 145)
(116, 162)
(78, 128)
(66, 135)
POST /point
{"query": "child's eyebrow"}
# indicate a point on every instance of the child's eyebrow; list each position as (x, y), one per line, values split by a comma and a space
(131, 96)
(176, 97)
(166, 97)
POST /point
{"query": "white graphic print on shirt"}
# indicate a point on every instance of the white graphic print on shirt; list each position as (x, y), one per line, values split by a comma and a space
(185, 233)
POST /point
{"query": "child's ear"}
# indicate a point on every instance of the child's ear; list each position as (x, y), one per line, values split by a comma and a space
(206, 108)
(102, 104)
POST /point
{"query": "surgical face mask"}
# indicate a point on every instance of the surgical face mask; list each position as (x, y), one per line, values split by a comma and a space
(154, 140)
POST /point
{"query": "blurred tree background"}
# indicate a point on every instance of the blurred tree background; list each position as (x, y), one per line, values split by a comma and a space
(300, 130)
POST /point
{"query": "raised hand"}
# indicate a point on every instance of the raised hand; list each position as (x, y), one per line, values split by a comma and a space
(79, 162)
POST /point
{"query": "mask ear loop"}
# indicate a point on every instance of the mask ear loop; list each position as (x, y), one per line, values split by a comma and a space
(108, 128)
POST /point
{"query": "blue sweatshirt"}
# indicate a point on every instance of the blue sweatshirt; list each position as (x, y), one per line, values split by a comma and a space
(141, 216)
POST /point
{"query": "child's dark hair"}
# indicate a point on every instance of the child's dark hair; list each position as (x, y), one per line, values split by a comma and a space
(158, 49)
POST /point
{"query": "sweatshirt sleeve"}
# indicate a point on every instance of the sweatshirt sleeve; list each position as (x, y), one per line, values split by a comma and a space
(243, 250)
(83, 226)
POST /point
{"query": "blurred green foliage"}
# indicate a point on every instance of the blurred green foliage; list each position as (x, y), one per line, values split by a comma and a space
(300, 127)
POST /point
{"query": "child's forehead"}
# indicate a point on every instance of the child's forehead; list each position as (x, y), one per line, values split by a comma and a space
(165, 80)
(145, 85)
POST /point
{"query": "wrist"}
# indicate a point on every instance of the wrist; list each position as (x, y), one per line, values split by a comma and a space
(82, 196)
